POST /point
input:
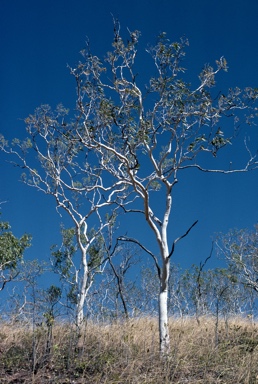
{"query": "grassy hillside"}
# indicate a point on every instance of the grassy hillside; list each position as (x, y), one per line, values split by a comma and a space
(123, 353)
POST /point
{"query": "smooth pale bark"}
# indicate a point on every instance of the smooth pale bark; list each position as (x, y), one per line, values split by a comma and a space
(81, 301)
(163, 309)
(79, 312)
(85, 284)
(162, 240)
(164, 277)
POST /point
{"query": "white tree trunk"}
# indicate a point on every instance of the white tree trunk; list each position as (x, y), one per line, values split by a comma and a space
(82, 286)
(79, 312)
(85, 286)
(163, 310)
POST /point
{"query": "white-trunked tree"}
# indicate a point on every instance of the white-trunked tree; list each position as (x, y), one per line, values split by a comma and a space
(139, 139)
(57, 165)
(146, 136)
(240, 249)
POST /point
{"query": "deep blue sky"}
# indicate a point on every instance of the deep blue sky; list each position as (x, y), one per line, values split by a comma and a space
(38, 40)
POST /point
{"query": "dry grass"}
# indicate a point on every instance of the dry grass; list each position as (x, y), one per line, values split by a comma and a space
(123, 353)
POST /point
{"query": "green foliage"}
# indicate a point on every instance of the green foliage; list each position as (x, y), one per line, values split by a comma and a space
(96, 253)
(53, 294)
(72, 294)
(11, 247)
(63, 257)
(127, 125)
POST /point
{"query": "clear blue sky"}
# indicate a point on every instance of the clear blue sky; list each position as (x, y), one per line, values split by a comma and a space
(38, 40)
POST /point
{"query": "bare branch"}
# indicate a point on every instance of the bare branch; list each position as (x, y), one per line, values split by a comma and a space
(180, 238)
(125, 238)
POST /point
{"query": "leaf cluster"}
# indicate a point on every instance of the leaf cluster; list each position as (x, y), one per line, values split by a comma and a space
(11, 247)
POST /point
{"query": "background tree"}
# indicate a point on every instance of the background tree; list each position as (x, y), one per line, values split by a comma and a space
(52, 297)
(65, 169)
(123, 289)
(64, 262)
(116, 295)
(240, 249)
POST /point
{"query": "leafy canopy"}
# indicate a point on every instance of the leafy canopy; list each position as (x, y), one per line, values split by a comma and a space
(11, 247)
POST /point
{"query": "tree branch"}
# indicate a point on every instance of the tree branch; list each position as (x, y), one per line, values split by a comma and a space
(125, 238)
(180, 238)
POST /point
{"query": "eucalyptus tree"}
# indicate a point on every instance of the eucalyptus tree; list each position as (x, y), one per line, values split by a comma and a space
(240, 249)
(55, 164)
(122, 286)
(147, 136)
(64, 261)
(117, 295)
(140, 139)
(52, 297)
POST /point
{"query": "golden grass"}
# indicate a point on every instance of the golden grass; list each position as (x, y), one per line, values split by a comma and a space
(128, 353)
